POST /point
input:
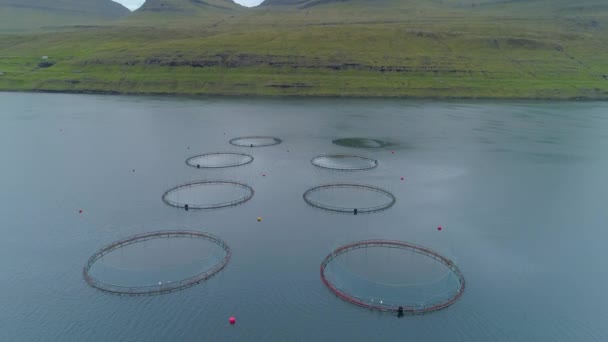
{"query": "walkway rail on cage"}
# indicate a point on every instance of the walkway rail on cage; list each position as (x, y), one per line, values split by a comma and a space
(161, 288)
(393, 307)
(341, 162)
(201, 161)
(362, 210)
(255, 141)
(232, 203)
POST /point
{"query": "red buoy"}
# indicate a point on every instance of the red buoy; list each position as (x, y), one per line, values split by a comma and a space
(263, 175)
(80, 211)
(402, 178)
(232, 320)
(439, 228)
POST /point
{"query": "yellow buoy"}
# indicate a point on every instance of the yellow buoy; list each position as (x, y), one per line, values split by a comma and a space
(259, 219)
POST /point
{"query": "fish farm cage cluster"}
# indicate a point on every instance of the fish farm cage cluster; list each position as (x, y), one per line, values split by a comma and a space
(163, 287)
(182, 197)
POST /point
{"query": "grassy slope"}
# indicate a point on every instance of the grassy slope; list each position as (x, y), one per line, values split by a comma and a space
(432, 48)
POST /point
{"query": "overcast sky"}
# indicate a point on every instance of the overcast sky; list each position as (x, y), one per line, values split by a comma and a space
(134, 4)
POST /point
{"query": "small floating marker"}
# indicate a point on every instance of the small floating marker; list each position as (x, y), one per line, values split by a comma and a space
(198, 166)
(355, 211)
(439, 228)
(251, 145)
(133, 170)
(259, 219)
(232, 320)
(402, 178)
(80, 211)
(186, 207)
(392, 152)
(263, 175)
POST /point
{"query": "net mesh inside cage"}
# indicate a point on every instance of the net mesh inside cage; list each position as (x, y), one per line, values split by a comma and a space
(361, 143)
(164, 286)
(219, 160)
(349, 198)
(208, 195)
(344, 162)
(256, 141)
(388, 275)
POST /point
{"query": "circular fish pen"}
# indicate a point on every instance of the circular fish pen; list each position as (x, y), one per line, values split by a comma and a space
(255, 141)
(208, 195)
(344, 162)
(219, 160)
(389, 297)
(161, 287)
(361, 142)
(349, 198)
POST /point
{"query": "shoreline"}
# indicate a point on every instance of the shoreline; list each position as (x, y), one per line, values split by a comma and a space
(292, 96)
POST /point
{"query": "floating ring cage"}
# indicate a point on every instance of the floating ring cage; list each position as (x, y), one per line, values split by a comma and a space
(373, 199)
(344, 162)
(219, 160)
(185, 196)
(361, 142)
(256, 141)
(160, 288)
(370, 303)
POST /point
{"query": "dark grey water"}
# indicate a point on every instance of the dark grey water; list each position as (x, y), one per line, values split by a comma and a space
(519, 188)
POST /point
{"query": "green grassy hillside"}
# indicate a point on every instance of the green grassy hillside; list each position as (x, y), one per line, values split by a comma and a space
(19, 15)
(425, 48)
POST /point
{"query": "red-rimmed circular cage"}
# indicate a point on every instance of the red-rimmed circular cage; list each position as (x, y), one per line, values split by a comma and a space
(408, 309)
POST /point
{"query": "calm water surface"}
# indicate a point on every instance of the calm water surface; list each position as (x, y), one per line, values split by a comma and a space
(520, 189)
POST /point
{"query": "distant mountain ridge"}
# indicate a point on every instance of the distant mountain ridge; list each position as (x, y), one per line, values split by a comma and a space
(33, 14)
(186, 5)
(163, 11)
(300, 3)
(101, 8)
